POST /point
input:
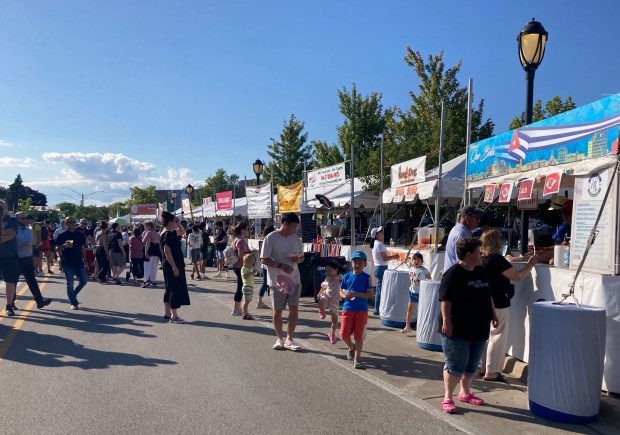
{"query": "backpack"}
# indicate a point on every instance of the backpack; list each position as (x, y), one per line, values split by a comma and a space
(230, 255)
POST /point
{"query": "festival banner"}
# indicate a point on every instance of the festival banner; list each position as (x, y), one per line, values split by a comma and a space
(552, 183)
(206, 202)
(259, 201)
(325, 176)
(186, 206)
(289, 196)
(224, 200)
(144, 209)
(409, 172)
(489, 192)
(525, 189)
(505, 192)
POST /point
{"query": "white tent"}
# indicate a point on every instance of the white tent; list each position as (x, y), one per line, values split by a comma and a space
(452, 185)
(340, 195)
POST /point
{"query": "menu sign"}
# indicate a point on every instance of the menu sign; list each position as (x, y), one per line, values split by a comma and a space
(589, 193)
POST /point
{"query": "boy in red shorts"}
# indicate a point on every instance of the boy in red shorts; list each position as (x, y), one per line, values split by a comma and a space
(355, 290)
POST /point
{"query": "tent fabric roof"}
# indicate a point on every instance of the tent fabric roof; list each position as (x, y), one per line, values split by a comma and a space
(340, 195)
(452, 184)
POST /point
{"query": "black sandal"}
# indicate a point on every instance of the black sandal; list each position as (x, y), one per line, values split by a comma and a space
(498, 378)
(248, 317)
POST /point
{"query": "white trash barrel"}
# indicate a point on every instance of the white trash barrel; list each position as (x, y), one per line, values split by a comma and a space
(429, 307)
(394, 298)
(567, 352)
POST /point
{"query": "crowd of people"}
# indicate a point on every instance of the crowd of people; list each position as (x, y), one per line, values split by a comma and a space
(474, 293)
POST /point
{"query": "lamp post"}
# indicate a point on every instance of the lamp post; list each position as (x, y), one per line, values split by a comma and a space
(172, 195)
(532, 40)
(257, 166)
(189, 189)
(83, 196)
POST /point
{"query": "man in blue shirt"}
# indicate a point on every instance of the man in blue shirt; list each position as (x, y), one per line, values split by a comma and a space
(355, 289)
(70, 246)
(563, 230)
(469, 218)
(26, 264)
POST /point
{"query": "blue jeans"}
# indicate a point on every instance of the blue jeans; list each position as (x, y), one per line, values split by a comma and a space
(461, 356)
(379, 271)
(263, 288)
(71, 273)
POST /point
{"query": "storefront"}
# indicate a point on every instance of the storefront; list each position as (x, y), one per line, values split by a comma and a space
(576, 153)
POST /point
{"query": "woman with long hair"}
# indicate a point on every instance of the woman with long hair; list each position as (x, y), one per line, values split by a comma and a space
(102, 252)
(173, 262)
(152, 254)
(241, 232)
(380, 257)
(499, 274)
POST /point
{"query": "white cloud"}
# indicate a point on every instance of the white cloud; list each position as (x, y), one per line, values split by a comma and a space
(103, 167)
(4, 143)
(14, 162)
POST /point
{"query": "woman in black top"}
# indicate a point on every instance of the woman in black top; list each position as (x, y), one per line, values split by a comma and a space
(173, 264)
(499, 273)
(466, 312)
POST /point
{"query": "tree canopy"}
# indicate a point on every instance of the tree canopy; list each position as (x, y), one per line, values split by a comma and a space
(553, 107)
(289, 152)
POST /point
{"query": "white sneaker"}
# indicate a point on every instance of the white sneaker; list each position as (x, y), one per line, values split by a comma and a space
(41, 273)
(227, 275)
(279, 345)
(218, 275)
(291, 345)
(236, 312)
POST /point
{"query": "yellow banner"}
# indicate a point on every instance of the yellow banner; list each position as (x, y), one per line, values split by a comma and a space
(289, 196)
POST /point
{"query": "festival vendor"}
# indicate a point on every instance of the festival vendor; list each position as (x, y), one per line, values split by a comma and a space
(562, 232)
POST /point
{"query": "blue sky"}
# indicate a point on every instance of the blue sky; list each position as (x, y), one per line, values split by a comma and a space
(108, 95)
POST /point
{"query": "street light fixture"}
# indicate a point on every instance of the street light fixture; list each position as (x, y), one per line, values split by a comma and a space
(82, 195)
(189, 189)
(532, 40)
(257, 166)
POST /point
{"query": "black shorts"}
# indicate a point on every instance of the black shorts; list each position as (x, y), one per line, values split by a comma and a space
(35, 252)
(10, 269)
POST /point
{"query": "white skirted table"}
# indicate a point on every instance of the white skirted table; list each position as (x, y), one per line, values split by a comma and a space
(394, 298)
(427, 334)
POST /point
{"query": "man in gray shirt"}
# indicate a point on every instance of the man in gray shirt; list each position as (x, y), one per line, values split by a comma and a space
(469, 218)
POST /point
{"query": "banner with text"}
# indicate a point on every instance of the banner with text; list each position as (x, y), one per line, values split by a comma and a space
(259, 201)
(186, 206)
(289, 196)
(326, 176)
(144, 209)
(409, 172)
(224, 200)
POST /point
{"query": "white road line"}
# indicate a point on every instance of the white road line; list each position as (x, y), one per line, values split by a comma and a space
(455, 421)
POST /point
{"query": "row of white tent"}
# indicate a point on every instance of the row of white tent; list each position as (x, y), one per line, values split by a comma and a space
(452, 185)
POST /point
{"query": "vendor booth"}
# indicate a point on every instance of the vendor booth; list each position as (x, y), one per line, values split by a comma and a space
(574, 153)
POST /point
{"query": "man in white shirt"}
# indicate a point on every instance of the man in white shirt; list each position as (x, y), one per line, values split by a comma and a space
(469, 219)
(282, 251)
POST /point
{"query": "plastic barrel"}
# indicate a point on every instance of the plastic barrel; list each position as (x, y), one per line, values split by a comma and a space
(427, 335)
(567, 351)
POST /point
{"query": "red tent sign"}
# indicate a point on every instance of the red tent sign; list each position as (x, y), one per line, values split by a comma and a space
(552, 183)
(224, 200)
(489, 192)
(505, 192)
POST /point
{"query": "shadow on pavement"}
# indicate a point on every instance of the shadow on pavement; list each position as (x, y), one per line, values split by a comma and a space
(52, 351)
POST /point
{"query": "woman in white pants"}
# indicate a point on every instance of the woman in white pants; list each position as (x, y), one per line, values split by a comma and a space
(152, 253)
(499, 274)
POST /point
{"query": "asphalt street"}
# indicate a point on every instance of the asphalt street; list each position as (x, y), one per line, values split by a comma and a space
(116, 366)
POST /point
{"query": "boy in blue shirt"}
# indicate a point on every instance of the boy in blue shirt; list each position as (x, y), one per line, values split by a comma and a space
(355, 290)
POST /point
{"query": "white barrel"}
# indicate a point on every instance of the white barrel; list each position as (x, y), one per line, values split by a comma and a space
(394, 298)
(567, 351)
(429, 307)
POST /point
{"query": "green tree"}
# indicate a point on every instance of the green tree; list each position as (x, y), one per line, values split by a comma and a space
(144, 196)
(218, 182)
(289, 152)
(67, 209)
(119, 208)
(553, 107)
(325, 155)
(25, 205)
(14, 193)
(361, 129)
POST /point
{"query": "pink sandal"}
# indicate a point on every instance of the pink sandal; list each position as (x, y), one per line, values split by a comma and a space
(448, 407)
(471, 399)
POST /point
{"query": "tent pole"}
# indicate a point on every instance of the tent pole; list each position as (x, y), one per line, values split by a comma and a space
(470, 90)
(438, 187)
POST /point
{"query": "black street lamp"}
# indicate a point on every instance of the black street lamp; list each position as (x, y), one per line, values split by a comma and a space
(173, 195)
(189, 189)
(257, 166)
(532, 40)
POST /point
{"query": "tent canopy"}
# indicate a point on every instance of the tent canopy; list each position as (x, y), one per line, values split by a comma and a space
(340, 195)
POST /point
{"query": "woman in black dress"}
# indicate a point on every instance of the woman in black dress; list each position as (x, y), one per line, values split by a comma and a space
(173, 263)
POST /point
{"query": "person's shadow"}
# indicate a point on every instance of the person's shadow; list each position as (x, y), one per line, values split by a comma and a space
(52, 351)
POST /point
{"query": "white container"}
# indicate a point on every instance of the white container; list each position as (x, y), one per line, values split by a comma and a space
(559, 259)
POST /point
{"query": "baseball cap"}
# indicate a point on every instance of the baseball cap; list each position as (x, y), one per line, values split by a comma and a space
(470, 210)
(358, 254)
(557, 202)
(374, 231)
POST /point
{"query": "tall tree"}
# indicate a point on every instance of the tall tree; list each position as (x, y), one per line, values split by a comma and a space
(14, 193)
(325, 155)
(553, 107)
(420, 129)
(218, 182)
(143, 196)
(289, 153)
(361, 129)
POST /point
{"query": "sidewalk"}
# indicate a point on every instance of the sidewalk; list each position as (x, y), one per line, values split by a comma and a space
(395, 362)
